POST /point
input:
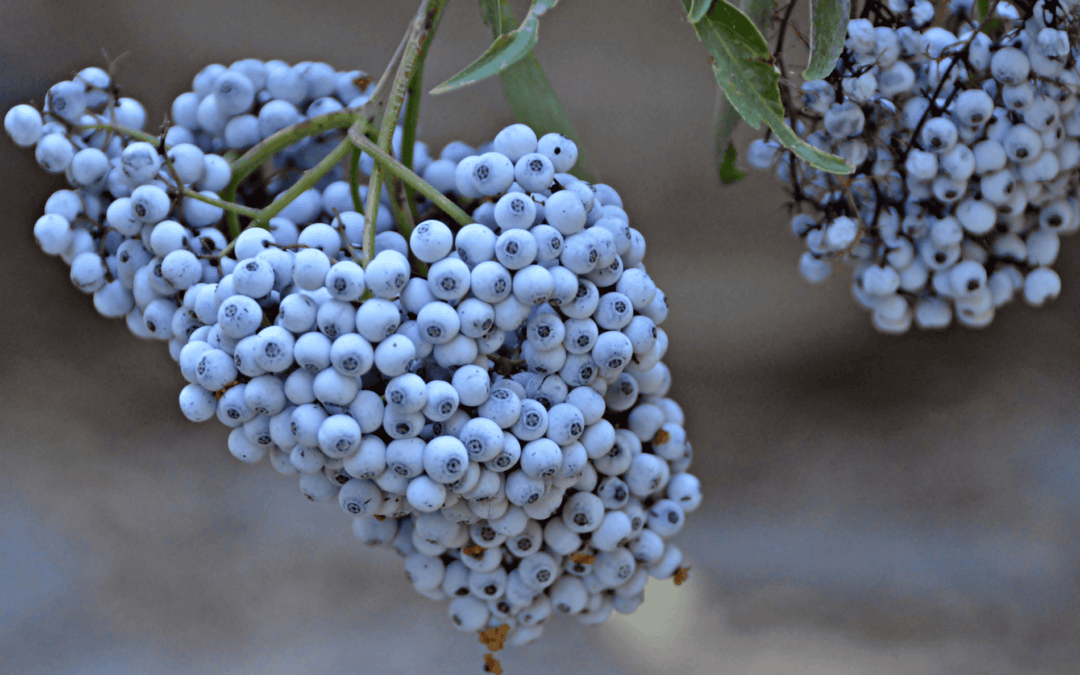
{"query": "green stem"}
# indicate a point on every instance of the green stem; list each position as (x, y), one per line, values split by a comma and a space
(290, 135)
(251, 160)
(405, 221)
(370, 214)
(374, 108)
(365, 115)
(125, 131)
(410, 178)
(415, 93)
(354, 180)
(412, 108)
(168, 162)
(223, 204)
(340, 227)
(310, 177)
(227, 250)
(420, 34)
(401, 214)
(408, 136)
(232, 220)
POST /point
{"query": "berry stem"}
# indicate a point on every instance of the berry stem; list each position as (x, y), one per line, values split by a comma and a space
(224, 252)
(177, 183)
(404, 218)
(310, 177)
(412, 107)
(410, 178)
(785, 96)
(419, 35)
(126, 131)
(232, 222)
(850, 199)
(957, 56)
(408, 137)
(360, 120)
(354, 180)
(251, 160)
(221, 203)
(401, 214)
(340, 227)
(365, 116)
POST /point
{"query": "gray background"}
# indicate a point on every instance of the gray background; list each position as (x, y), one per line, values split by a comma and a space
(873, 503)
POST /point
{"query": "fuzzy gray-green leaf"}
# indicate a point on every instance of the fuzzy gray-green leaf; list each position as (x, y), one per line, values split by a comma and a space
(742, 64)
(759, 11)
(531, 98)
(828, 27)
(507, 49)
(698, 9)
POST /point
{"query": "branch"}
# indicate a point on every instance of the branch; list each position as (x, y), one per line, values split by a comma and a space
(222, 204)
(306, 182)
(383, 159)
(419, 34)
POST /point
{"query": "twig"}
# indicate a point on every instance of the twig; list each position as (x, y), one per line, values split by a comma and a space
(310, 177)
(410, 178)
(412, 108)
(221, 203)
(419, 34)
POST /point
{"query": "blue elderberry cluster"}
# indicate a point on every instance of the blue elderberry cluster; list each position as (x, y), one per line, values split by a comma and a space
(966, 149)
(488, 400)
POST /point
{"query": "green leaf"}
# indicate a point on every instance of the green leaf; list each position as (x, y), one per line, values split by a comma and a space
(534, 103)
(698, 9)
(741, 62)
(828, 26)
(759, 11)
(508, 48)
(532, 100)
(727, 118)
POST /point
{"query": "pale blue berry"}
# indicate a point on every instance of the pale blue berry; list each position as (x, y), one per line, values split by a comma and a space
(562, 151)
(54, 153)
(493, 174)
(431, 240)
(24, 125)
(1010, 65)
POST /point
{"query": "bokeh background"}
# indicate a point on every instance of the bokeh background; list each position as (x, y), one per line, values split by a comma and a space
(874, 504)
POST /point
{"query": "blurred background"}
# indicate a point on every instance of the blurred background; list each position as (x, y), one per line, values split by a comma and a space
(874, 504)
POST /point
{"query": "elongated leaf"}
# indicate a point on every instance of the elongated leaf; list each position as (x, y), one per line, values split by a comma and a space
(534, 103)
(741, 62)
(727, 118)
(828, 26)
(698, 9)
(508, 48)
(760, 12)
(532, 100)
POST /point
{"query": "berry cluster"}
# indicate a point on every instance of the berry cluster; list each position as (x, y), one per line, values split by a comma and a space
(488, 400)
(965, 143)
